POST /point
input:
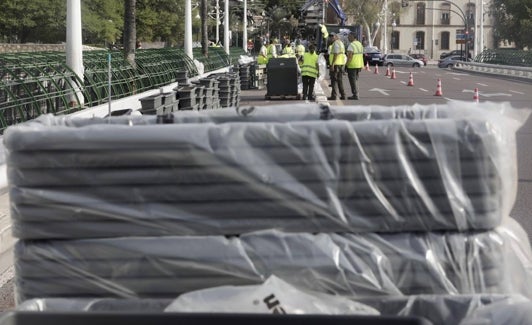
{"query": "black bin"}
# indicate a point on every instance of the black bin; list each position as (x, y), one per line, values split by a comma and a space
(282, 77)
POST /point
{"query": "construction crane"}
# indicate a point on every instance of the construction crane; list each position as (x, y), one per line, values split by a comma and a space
(314, 12)
(333, 3)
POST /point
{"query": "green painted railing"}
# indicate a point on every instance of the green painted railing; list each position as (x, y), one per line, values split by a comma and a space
(36, 83)
(511, 57)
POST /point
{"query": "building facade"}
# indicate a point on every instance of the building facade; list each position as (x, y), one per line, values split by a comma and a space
(437, 26)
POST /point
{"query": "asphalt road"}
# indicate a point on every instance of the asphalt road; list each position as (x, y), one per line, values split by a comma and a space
(377, 89)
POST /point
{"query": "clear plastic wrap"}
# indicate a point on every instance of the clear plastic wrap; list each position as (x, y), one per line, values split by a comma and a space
(350, 265)
(304, 169)
(439, 309)
(274, 296)
(512, 311)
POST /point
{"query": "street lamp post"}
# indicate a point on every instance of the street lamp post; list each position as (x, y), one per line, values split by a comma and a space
(245, 27)
(217, 22)
(463, 16)
(226, 26)
(394, 24)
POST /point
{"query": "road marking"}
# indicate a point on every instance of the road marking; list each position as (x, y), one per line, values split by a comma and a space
(403, 82)
(480, 84)
(517, 92)
(457, 78)
(423, 89)
(382, 91)
(487, 94)
(457, 73)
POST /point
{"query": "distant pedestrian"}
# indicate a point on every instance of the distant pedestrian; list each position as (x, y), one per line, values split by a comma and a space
(309, 72)
(300, 49)
(262, 58)
(355, 63)
(288, 51)
(272, 49)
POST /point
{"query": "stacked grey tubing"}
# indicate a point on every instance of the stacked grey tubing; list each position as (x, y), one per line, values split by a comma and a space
(368, 204)
(352, 265)
(231, 178)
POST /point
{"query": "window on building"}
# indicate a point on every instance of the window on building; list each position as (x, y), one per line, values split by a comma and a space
(395, 40)
(470, 14)
(420, 40)
(420, 13)
(445, 40)
(445, 14)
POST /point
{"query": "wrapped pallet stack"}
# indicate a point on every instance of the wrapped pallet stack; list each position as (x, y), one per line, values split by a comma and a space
(375, 204)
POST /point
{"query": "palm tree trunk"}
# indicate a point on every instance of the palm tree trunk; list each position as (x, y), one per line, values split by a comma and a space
(204, 9)
(130, 31)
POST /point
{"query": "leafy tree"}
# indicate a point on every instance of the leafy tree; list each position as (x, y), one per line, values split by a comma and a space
(33, 21)
(291, 7)
(513, 21)
(366, 13)
(102, 21)
(161, 20)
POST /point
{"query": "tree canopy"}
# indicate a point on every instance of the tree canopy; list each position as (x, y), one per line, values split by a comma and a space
(513, 21)
(44, 21)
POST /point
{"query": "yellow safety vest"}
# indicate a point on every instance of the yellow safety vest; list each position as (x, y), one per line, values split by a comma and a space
(340, 57)
(272, 52)
(263, 55)
(310, 65)
(288, 50)
(300, 49)
(324, 31)
(357, 61)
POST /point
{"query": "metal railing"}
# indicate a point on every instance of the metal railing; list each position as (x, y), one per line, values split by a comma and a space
(36, 83)
(509, 57)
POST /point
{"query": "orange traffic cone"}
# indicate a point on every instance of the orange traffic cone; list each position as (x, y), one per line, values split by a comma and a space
(393, 76)
(438, 89)
(476, 96)
(367, 66)
(387, 72)
(411, 80)
(376, 69)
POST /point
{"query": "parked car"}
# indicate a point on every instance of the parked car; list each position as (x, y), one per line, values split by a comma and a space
(402, 60)
(450, 61)
(421, 57)
(454, 52)
(373, 56)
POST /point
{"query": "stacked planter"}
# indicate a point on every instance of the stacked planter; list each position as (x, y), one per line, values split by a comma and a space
(211, 99)
(368, 204)
(188, 98)
(182, 78)
(159, 104)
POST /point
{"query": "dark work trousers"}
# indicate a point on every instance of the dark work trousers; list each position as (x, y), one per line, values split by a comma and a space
(308, 87)
(337, 83)
(352, 75)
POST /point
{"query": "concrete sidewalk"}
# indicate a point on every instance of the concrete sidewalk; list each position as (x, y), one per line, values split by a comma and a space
(7, 300)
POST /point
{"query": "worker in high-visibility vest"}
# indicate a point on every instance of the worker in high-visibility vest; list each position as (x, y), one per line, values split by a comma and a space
(262, 58)
(336, 69)
(300, 49)
(288, 51)
(272, 51)
(309, 72)
(355, 63)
